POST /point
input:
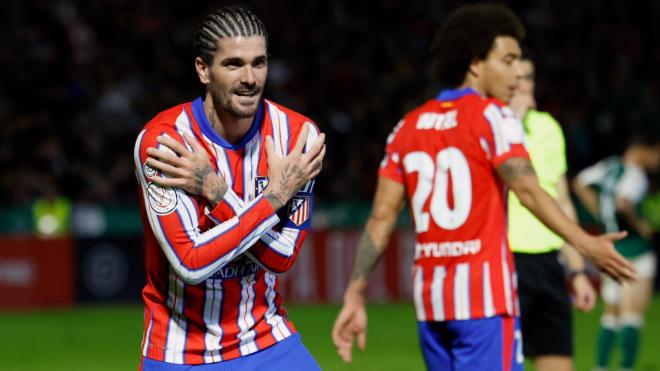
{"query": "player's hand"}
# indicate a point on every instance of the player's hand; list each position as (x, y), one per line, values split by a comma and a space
(185, 169)
(585, 294)
(600, 251)
(520, 104)
(351, 323)
(286, 175)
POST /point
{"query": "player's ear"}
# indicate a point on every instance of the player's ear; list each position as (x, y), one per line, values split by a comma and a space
(203, 70)
(476, 66)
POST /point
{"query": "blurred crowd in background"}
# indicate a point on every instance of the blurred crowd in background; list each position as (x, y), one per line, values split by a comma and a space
(80, 78)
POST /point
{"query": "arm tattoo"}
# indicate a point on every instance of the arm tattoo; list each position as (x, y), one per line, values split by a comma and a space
(291, 179)
(216, 193)
(200, 175)
(367, 257)
(275, 199)
(515, 167)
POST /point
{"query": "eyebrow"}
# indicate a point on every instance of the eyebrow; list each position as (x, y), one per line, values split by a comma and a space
(239, 60)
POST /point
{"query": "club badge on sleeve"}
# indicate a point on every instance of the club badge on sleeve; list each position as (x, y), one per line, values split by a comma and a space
(298, 209)
(260, 183)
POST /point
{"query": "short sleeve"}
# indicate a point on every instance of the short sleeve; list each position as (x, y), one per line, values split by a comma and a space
(593, 174)
(391, 166)
(632, 185)
(505, 134)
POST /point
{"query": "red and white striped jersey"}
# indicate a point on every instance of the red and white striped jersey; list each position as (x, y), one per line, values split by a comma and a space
(212, 289)
(446, 153)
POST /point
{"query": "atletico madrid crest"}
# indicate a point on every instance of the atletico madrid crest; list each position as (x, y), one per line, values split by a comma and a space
(298, 209)
(260, 183)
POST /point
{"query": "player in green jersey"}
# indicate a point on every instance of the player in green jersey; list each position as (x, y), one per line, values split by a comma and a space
(612, 191)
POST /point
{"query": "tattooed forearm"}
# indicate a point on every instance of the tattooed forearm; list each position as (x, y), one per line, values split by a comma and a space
(200, 175)
(515, 167)
(275, 198)
(216, 190)
(290, 180)
(367, 257)
(208, 184)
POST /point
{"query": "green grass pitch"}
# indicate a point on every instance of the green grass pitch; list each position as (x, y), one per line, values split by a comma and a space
(108, 338)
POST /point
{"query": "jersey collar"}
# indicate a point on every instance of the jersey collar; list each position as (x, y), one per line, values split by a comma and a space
(207, 128)
(454, 94)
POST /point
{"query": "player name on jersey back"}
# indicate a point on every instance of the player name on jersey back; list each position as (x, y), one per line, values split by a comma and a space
(437, 121)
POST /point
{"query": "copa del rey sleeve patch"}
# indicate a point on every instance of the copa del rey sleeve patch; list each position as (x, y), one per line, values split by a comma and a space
(162, 200)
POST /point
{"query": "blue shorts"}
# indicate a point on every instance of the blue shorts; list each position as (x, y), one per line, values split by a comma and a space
(280, 356)
(479, 344)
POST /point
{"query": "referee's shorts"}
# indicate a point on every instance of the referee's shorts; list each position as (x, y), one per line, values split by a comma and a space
(545, 305)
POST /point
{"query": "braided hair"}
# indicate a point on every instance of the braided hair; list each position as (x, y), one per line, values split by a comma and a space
(226, 22)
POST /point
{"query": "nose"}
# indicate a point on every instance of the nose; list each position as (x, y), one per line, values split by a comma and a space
(518, 69)
(247, 77)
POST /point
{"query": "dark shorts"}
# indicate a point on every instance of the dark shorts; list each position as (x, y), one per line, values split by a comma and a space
(476, 344)
(288, 354)
(545, 305)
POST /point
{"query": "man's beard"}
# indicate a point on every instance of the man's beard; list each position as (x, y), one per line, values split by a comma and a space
(226, 101)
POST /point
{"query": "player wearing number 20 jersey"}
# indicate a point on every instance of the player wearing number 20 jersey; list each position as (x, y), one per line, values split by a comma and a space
(446, 153)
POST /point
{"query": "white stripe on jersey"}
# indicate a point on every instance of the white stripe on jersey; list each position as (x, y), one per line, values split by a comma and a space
(222, 161)
(211, 316)
(280, 129)
(516, 303)
(437, 298)
(507, 280)
(251, 167)
(311, 138)
(278, 329)
(233, 200)
(176, 329)
(418, 294)
(284, 130)
(462, 291)
(184, 126)
(187, 213)
(147, 335)
(284, 242)
(489, 307)
(495, 119)
(245, 319)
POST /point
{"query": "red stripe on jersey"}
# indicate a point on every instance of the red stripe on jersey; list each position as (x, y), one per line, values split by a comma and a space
(264, 338)
(280, 308)
(230, 315)
(427, 276)
(497, 280)
(448, 290)
(158, 336)
(476, 290)
(236, 165)
(194, 310)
